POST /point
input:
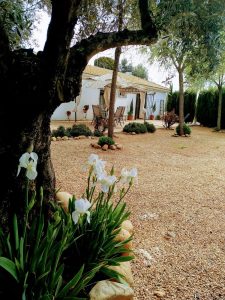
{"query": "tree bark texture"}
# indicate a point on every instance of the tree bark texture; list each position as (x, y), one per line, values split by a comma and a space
(114, 76)
(220, 90)
(113, 93)
(181, 101)
(35, 85)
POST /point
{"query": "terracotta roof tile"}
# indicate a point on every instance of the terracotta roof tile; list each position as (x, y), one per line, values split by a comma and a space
(135, 81)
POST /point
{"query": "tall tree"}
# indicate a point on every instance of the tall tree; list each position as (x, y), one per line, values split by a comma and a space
(125, 67)
(35, 85)
(115, 73)
(211, 71)
(140, 71)
(193, 28)
(104, 62)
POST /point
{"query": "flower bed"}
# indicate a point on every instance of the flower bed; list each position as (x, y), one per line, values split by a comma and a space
(87, 240)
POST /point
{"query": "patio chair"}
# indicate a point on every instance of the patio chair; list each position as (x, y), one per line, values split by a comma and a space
(122, 115)
(118, 116)
(96, 113)
(99, 118)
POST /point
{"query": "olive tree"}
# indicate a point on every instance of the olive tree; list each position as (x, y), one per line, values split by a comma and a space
(34, 85)
(192, 31)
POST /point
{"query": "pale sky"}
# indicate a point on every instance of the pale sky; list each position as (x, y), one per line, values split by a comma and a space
(155, 73)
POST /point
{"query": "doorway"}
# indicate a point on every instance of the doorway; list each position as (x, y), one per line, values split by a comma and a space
(137, 107)
(161, 110)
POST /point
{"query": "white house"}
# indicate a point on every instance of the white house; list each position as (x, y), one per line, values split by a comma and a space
(147, 96)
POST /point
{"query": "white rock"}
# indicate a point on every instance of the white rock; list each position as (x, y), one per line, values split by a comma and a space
(159, 293)
(63, 199)
(148, 258)
(148, 216)
(124, 269)
(127, 225)
(105, 147)
(122, 236)
(119, 146)
(112, 147)
(108, 290)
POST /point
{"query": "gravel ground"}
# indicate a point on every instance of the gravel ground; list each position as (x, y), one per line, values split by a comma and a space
(178, 208)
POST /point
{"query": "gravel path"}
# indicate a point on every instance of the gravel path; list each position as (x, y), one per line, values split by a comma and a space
(178, 208)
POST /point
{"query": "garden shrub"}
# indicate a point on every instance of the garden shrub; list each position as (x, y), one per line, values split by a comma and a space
(68, 131)
(60, 131)
(135, 127)
(105, 140)
(63, 256)
(80, 129)
(150, 127)
(97, 133)
(186, 128)
(158, 117)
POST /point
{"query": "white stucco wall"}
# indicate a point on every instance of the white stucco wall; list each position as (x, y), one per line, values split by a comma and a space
(157, 98)
(89, 95)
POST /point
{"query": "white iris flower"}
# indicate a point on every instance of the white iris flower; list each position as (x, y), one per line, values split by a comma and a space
(97, 164)
(81, 208)
(29, 162)
(127, 176)
(106, 182)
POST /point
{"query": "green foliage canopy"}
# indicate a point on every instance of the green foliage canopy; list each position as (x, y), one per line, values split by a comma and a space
(140, 71)
(104, 62)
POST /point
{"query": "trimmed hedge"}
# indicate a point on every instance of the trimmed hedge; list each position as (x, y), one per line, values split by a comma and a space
(150, 127)
(207, 108)
(105, 140)
(60, 131)
(76, 130)
(189, 104)
(139, 127)
(135, 127)
(80, 129)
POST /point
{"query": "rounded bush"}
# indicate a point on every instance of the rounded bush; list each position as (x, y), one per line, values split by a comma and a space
(80, 129)
(150, 127)
(97, 133)
(60, 131)
(135, 127)
(186, 128)
(103, 140)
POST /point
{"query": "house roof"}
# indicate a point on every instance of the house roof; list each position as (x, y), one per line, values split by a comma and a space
(134, 81)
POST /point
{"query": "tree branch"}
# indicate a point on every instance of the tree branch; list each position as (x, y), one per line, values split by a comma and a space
(59, 36)
(147, 22)
(82, 52)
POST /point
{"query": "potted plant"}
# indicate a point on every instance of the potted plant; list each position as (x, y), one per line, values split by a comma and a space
(85, 109)
(153, 109)
(131, 111)
(68, 113)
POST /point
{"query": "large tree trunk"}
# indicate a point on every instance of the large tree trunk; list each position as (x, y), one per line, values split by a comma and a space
(220, 90)
(113, 93)
(25, 120)
(181, 101)
(35, 85)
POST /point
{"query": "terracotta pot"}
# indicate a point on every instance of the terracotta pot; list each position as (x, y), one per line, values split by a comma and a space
(151, 117)
(130, 117)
